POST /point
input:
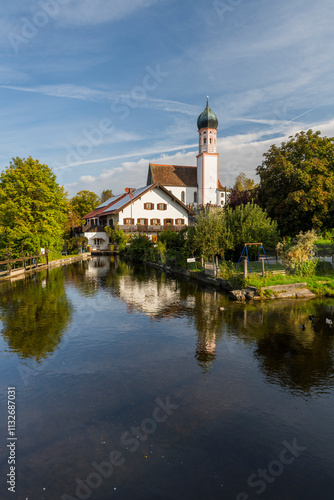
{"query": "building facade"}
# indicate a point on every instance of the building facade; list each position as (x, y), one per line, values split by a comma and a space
(200, 185)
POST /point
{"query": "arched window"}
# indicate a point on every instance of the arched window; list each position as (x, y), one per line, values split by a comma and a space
(183, 196)
(195, 197)
(210, 140)
(204, 140)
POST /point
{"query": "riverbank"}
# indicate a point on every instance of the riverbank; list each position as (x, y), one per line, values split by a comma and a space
(19, 273)
(258, 288)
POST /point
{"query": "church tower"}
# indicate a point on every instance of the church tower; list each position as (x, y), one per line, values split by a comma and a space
(207, 159)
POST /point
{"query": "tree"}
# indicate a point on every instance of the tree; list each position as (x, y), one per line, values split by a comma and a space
(298, 257)
(250, 224)
(210, 236)
(105, 195)
(243, 183)
(297, 183)
(237, 197)
(33, 208)
(84, 202)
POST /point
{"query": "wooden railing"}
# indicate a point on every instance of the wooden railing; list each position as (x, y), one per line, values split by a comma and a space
(142, 228)
(27, 263)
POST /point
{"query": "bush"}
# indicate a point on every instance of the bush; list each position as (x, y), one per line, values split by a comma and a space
(139, 248)
(299, 257)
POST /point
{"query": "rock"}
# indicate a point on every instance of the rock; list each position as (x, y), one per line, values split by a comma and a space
(250, 294)
(239, 295)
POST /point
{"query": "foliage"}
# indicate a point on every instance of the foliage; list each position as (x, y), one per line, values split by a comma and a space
(227, 272)
(33, 208)
(243, 183)
(172, 239)
(105, 195)
(238, 197)
(210, 236)
(299, 257)
(84, 202)
(139, 247)
(250, 224)
(297, 182)
(118, 236)
(35, 317)
(75, 244)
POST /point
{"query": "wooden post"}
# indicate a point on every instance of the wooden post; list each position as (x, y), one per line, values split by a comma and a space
(47, 257)
(202, 263)
(262, 262)
(216, 266)
(245, 267)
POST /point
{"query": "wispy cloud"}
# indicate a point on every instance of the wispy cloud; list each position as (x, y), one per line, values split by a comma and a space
(83, 93)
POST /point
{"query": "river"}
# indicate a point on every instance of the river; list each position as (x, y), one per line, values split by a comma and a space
(133, 384)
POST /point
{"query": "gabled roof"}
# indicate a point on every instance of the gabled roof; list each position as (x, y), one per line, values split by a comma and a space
(220, 187)
(172, 175)
(101, 208)
(131, 197)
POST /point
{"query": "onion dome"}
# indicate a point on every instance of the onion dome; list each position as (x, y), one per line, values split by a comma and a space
(207, 119)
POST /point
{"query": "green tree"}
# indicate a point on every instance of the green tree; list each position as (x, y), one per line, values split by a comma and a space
(243, 183)
(210, 235)
(33, 208)
(105, 195)
(250, 224)
(84, 202)
(297, 183)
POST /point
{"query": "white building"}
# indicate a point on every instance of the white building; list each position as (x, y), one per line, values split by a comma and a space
(148, 210)
(198, 185)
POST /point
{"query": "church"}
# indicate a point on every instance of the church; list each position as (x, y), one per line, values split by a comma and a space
(169, 199)
(198, 185)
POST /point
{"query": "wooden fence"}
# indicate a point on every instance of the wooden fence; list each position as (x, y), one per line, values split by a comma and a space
(27, 264)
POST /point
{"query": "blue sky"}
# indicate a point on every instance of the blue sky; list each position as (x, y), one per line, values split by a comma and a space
(96, 89)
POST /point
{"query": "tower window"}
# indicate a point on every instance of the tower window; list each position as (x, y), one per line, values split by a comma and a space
(195, 197)
(182, 196)
(210, 140)
(204, 140)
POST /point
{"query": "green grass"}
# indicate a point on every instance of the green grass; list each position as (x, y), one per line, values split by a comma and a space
(321, 284)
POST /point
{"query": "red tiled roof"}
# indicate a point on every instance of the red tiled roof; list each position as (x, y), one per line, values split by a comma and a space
(220, 187)
(172, 175)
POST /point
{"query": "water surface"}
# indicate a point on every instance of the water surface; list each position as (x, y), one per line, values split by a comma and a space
(138, 368)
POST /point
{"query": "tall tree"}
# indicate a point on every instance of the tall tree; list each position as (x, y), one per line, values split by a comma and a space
(243, 183)
(297, 183)
(105, 195)
(84, 202)
(237, 197)
(33, 208)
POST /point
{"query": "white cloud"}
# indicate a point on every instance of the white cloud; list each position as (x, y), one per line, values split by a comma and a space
(87, 178)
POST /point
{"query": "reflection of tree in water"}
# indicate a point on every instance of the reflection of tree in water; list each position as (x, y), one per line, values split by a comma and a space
(34, 313)
(301, 360)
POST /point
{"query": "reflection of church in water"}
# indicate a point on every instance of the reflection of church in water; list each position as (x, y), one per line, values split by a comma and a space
(165, 297)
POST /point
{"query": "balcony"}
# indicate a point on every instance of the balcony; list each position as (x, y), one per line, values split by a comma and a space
(141, 228)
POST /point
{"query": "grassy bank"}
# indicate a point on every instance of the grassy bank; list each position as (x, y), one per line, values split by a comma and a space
(322, 283)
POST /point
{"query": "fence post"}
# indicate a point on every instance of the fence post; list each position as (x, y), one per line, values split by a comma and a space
(262, 262)
(216, 266)
(202, 262)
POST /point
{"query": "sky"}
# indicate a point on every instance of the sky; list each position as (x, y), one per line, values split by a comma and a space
(97, 89)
